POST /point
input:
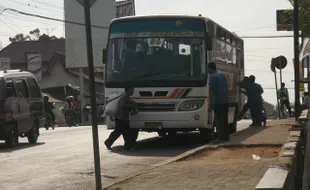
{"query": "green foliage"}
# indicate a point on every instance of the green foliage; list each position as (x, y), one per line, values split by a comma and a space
(304, 16)
(270, 109)
(33, 35)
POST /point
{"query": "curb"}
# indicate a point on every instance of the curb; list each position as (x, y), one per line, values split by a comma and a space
(184, 156)
(180, 157)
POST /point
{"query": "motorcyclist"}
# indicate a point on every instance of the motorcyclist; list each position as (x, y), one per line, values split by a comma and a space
(48, 106)
(72, 109)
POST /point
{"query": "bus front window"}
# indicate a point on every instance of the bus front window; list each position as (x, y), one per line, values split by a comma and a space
(156, 61)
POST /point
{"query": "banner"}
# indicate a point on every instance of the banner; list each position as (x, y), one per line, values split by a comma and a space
(34, 65)
(5, 63)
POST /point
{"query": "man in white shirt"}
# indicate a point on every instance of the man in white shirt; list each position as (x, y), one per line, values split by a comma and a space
(283, 95)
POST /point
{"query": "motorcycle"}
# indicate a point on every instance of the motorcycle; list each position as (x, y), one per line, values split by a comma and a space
(100, 115)
(48, 121)
(70, 116)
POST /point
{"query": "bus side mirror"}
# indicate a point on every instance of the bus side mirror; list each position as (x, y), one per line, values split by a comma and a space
(209, 43)
(104, 55)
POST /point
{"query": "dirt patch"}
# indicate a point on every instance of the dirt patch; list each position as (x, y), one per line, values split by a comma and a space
(242, 152)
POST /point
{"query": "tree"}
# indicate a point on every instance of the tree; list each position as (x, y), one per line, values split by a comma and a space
(20, 38)
(33, 35)
(304, 16)
(270, 108)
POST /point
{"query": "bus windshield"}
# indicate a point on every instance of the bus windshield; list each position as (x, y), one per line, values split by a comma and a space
(143, 55)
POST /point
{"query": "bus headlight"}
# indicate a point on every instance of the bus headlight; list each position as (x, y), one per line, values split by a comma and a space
(191, 105)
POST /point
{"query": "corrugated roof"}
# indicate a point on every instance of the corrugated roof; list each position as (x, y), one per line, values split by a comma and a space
(16, 50)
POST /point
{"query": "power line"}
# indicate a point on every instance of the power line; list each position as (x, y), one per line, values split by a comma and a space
(8, 26)
(47, 4)
(15, 24)
(31, 20)
(29, 5)
(18, 25)
(50, 18)
(255, 28)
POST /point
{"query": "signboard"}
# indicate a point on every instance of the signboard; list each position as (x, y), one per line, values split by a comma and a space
(34, 65)
(285, 20)
(5, 63)
(125, 8)
(102, 12)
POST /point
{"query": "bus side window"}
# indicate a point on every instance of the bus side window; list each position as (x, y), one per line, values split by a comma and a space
(210, 26)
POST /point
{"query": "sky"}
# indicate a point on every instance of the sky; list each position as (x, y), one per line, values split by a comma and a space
(244, 17)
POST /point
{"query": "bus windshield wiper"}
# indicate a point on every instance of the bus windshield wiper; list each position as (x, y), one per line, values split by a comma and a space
(146, 75)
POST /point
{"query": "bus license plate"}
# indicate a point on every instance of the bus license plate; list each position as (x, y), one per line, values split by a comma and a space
(153, 124)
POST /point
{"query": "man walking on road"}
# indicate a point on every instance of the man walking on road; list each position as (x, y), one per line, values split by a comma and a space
(255, 101)
(122, 124)
(283, 95)
(219, 102)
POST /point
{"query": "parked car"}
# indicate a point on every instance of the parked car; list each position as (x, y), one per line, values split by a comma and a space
(21, 107)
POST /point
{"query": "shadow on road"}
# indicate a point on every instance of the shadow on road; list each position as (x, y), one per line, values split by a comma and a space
(162, 146)
(3, 147)
(243, 135)
(171, 146)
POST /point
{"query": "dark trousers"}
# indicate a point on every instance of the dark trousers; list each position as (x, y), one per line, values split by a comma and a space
(245, 108)
(256, 113)
(52, 116)
(122, 127)
(221, 121)
(286, 103)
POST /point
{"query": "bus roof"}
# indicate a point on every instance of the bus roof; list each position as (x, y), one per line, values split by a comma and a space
(206, 19)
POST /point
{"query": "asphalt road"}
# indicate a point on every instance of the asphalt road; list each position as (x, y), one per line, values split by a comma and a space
(63, 158)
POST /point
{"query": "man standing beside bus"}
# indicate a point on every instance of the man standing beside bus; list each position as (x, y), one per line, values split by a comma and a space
(255, 101)
(219, 102)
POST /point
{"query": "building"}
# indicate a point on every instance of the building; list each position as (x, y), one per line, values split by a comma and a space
(57, 80)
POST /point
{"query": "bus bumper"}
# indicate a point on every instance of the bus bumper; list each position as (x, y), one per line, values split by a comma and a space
(167, 120)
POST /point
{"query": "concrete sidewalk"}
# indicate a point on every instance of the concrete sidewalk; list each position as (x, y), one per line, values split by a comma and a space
(230, 166)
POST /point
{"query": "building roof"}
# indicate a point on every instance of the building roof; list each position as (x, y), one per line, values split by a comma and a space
(16, 50)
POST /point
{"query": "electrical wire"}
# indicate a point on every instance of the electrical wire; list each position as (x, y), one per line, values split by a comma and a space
(8, 26)
(50, 18)
(255, 28)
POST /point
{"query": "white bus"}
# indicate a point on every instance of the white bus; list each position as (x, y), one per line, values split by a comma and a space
(165, 58)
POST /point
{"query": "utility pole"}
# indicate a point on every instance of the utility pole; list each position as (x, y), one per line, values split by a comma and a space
(87, 5)
(296, 58)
